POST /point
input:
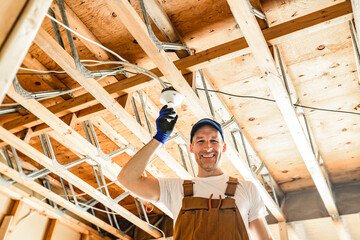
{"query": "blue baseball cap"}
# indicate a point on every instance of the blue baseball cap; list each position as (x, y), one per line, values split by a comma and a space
(203, 122)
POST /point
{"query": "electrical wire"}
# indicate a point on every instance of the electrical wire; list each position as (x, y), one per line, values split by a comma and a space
(40, 71)
(87, 39)
(134, 67)
(59, 94)
(272, 100)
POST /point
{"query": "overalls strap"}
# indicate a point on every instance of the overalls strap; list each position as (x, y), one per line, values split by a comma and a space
(188, 188)
(231, 187)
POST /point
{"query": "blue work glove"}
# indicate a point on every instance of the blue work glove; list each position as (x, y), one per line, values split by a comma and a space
(163, 126)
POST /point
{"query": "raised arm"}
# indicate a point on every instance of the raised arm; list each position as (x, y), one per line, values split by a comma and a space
(259, 229)
(131, 175)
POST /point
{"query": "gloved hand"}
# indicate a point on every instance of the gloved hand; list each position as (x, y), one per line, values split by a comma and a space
(163, 126)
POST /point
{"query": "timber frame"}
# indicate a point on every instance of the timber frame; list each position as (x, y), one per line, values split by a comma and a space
(66, 122)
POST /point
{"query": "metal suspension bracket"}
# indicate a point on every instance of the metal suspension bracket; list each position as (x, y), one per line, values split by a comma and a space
(166, 46)
(49, 152)
(93, 139)
(258, 13)
(141, 96)
(3, 181)
(208, 98)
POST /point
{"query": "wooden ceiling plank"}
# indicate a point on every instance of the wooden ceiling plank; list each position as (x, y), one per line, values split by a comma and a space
(137, 28)
(71, 178)
(19, 40)
(53, 82)
(265, 61)
(201, 60)
(37, 204)
(63, 59)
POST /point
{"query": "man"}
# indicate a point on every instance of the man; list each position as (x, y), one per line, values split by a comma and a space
(212, 205)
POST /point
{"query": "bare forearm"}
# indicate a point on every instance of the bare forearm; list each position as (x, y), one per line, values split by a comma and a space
(133, 170)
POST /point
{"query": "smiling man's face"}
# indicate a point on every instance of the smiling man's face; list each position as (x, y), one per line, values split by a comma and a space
(208, 146)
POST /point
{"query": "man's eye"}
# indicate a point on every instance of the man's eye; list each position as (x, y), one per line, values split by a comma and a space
(214, 141)
(200, 141)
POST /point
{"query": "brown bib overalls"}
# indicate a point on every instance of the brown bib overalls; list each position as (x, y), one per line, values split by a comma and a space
(210, 219)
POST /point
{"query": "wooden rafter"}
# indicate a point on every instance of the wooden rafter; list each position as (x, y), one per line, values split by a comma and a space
(192, 63)
(69, 177)
(19, 40)
(5, 226)
(50, 233)
(15, 214)
(137, 28)
(266, 63)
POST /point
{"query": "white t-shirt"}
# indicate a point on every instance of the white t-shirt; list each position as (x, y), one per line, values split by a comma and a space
(247, 198)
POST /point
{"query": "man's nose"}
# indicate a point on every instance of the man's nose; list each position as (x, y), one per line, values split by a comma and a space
(207, 146)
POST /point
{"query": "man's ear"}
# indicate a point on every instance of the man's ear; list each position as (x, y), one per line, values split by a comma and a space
(191, 148)
(224, 147)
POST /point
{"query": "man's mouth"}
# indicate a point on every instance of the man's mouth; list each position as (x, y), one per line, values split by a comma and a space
(208, 155)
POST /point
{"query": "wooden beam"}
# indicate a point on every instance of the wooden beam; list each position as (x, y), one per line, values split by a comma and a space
(19, 40)
(202, 59)
(266, 63)
(341, 229)
(85, 237)
(50, 233)
(63, 59)
(5, 226)
(283, 231)
(10, 10)
(71, 178)
(15, 213)
(161, 20)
